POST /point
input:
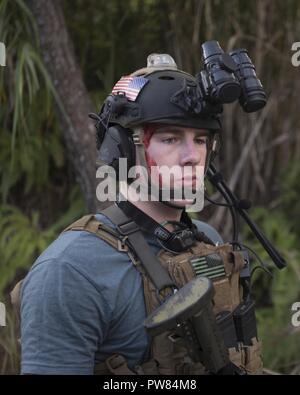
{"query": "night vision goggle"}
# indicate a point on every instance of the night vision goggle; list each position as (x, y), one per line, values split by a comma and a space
(225, 78)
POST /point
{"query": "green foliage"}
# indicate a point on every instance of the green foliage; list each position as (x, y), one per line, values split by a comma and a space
(290, 192)
(275, 296)
(25, 73)
(22, 238)
(29, 166)
(32, 156)
(9, 345)
(119, 37)
(29, 134)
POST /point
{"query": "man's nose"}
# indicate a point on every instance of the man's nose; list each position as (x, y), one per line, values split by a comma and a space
(192, 154)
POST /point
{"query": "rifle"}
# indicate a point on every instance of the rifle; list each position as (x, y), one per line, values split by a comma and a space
(188, 314)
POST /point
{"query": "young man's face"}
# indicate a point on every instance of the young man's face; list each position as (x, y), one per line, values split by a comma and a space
(180, 149)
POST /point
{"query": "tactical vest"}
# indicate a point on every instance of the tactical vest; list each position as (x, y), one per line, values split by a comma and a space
(220, 263)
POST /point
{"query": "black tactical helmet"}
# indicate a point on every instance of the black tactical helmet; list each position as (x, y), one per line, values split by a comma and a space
(162, 94)
(163, 99)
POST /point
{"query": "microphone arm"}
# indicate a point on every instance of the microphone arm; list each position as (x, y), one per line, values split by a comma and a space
(216, 179)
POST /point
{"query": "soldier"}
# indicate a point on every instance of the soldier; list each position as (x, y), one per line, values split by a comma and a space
(87, 296)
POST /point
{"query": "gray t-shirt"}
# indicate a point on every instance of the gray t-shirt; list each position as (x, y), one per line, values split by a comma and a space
(81, 302)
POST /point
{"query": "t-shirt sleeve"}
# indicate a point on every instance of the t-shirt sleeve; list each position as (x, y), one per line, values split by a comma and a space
(64, 319)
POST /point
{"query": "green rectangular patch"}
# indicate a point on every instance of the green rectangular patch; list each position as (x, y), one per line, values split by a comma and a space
(210, 266)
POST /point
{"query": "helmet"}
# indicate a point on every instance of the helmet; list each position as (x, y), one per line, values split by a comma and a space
(159, 93)
(161, 100)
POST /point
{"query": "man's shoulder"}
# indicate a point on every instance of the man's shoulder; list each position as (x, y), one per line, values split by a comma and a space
(209, 231)
(78, 254)
(80, 247)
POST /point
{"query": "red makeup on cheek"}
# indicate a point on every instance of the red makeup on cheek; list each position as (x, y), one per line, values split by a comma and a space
(148, 132)
(149, 129)
(151, 162)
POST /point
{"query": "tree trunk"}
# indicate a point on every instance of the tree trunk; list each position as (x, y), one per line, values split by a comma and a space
(59, 59)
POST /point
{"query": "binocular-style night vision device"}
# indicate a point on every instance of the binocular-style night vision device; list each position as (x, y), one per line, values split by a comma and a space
(228, 77)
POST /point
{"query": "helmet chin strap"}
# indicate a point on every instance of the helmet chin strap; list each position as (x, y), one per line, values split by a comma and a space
(169, 204)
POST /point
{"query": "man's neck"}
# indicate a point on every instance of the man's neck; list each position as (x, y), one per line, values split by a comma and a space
(156, 210)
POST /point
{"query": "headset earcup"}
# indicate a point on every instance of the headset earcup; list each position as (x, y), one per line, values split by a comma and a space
(117, 143)
(128, 147)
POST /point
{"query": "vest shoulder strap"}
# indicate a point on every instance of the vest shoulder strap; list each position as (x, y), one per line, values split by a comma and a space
(91, 224)
(127, 237)
(132, 232)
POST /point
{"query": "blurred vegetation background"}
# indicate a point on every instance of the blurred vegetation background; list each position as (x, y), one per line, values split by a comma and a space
(63, 57)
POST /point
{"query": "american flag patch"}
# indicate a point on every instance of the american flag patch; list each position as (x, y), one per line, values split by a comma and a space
(210, 266)
(130, 86)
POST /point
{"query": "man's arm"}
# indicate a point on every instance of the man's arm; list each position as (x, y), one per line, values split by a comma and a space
(61, 320)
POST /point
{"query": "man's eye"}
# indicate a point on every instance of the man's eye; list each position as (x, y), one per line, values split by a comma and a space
(170, 140)
(201, 140)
